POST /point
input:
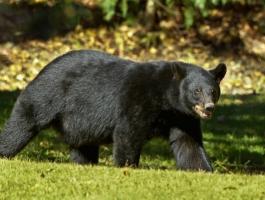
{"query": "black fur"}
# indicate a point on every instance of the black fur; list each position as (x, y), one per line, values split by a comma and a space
(94, 98)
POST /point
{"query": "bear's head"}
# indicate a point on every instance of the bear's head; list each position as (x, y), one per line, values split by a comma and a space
(196, 90)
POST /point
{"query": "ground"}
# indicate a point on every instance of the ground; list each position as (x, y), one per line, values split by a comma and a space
(31, 180)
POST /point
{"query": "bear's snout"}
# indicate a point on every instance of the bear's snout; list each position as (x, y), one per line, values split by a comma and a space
(209, 107)
(204, 112)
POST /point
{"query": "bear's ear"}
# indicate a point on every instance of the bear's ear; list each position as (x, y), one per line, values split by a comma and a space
(219, 72)
(178, 71)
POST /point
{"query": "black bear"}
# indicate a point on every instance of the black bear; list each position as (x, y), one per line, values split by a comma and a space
(94, 98)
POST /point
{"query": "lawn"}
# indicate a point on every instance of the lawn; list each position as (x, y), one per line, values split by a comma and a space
(234, 140)
(32, 180)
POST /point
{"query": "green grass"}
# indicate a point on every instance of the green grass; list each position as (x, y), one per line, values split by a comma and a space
(31, 180)
(234, 140)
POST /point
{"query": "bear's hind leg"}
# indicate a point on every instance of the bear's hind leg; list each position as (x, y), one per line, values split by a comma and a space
(18, 131)
(86, 154)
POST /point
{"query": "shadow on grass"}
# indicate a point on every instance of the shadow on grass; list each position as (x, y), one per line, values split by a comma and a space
(234, 138)
(241, 115)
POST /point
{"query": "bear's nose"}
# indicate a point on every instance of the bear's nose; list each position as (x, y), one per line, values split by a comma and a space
(209, 107)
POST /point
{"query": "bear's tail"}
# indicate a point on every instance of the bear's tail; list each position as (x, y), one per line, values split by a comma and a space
(18, 130)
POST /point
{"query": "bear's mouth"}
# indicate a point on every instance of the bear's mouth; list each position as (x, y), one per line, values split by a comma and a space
(204, 114)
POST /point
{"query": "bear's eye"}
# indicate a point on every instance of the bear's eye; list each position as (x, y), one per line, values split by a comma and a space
(197, 91)
(213, 92)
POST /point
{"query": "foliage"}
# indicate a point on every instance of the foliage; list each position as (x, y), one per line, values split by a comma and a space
(203, 6)
(109, 8)
(189, 7)
(120, 8)
(21, 62)
(135, 9)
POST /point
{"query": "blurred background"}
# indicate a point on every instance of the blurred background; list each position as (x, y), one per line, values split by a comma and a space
(202, 32)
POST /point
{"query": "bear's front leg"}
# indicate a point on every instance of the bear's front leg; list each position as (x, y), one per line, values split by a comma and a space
(126, 147)
(188, 152)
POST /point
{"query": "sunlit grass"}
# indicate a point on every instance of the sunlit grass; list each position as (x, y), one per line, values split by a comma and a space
(45, 180)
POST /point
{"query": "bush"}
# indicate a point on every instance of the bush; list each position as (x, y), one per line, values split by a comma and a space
(189, 8)
(148, 9)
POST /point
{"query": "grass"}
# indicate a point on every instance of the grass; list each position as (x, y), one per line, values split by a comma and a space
(234, 140)
(31, 180)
